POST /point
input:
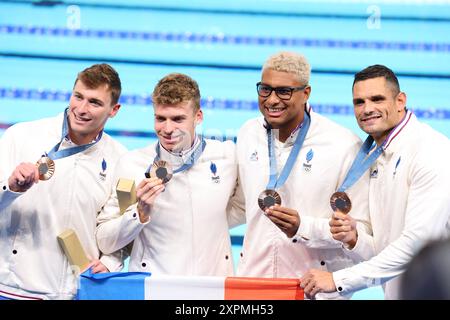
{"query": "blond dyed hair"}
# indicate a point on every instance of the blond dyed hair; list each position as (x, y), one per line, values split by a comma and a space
(290, 62)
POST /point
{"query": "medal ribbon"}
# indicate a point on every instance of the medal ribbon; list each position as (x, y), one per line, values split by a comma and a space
(192, 158)
(278, 182)
(55, 154)
(362, 162)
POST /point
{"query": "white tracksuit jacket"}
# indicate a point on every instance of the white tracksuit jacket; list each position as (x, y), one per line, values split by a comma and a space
(267, 251)
(188, 229)
(409, 205)
(32, 264)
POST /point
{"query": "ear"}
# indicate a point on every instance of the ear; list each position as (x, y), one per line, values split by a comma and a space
(401, 102)
(198, 117)
(307, 92)
(114, 110)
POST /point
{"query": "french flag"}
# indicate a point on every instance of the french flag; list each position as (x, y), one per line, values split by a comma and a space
(141, 285)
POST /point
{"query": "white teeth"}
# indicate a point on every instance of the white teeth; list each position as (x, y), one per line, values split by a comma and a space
(81, 119)
(370, 118)
(275, 109)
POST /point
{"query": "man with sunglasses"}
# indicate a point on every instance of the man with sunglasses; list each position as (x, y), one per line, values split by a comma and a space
(291, 161)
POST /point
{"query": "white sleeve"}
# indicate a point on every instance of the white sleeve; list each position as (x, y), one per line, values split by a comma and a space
(236, 207)
(115, 231)
(427, 213)
(7, 164)
(114, 261)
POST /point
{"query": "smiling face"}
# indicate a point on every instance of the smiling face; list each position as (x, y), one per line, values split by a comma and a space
(89, 109)
(175, 124)
(284, 115)
(377, 106)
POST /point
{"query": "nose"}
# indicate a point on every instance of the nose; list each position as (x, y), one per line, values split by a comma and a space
(169, 127)
(272, 99)
(82, 106)
(368, 108)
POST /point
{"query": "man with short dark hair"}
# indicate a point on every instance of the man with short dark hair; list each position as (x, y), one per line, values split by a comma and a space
(56, 174)
(409, 197)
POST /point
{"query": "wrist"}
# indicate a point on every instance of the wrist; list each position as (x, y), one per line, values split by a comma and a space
(352, 242)
(143, 218)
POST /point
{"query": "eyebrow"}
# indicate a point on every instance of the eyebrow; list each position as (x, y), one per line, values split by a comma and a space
(95, 100)
(177, 117)
(358, 100)
(92, 100)
(280, 87)
(377, 97)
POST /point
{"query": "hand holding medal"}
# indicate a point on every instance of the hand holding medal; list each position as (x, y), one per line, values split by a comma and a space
(286, 219)
(23, 177)
(26, 174)
(269, 201)
(146, 193)
(270, 197)
(343, 226)
(339, 200)
(157, 174)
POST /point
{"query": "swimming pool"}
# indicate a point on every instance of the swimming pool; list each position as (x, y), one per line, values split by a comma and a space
(222, 46)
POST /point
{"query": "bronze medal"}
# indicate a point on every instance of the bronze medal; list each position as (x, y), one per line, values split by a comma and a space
(46, 168)
(268, 198)
(162, 170)
(340, 201)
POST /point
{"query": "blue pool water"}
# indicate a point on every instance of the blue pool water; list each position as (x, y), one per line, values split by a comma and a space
(222, 45)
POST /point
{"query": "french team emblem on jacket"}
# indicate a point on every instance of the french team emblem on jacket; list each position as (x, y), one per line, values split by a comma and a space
(214, 177)
(254, 156)
(102, 173)
(307, 165)
(396, 166)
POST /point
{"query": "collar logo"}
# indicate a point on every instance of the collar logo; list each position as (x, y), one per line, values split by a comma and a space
(307, 165)
(374, 174)
(214, 177)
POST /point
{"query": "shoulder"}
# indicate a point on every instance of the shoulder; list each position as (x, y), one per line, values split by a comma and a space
(251, 129)
(432, 147)
(252, 124)
(35, 127)
(136, 158)
(140, 153)
(113, 146)
(430, 137)
(220, 148)
(328, 130)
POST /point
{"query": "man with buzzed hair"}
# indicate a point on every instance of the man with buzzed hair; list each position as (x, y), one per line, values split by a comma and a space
(291, 161)
(185, 187)
(56, 174)
(409, 197)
